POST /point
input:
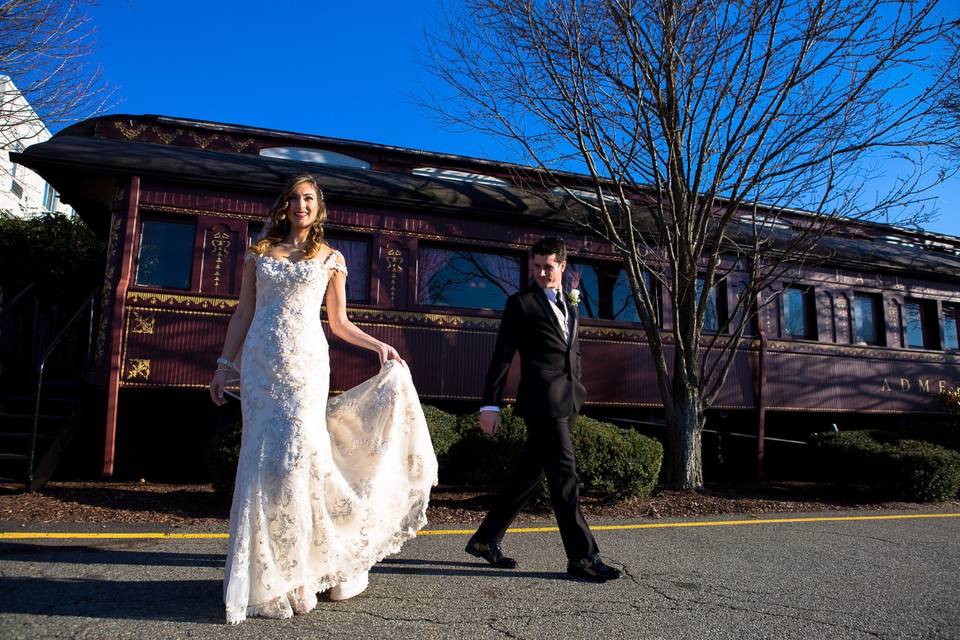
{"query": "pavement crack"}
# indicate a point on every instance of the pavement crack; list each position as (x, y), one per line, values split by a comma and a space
(629, 574)
(793, 613)
(504, 632)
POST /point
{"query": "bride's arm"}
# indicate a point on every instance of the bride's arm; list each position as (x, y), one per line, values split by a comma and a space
(236, 330)
(341, 326)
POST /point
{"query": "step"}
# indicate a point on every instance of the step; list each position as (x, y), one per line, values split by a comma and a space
(20, 435)
(43, 417)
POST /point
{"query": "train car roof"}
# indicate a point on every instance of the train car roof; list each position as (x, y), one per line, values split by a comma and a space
(88, 161)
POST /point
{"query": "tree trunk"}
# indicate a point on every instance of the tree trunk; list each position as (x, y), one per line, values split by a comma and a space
(685, 426)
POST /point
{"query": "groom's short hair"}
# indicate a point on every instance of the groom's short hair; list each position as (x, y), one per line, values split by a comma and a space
(549, 246)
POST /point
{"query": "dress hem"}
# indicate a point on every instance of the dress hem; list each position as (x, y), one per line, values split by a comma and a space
(251, 611)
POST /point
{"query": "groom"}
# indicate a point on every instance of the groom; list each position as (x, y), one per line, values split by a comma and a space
(542, 325)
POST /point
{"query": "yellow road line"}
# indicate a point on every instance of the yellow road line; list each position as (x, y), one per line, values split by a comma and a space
(711, 523)
(30, 535)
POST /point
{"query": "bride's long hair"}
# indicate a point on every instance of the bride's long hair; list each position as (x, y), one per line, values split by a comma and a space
(278, 225)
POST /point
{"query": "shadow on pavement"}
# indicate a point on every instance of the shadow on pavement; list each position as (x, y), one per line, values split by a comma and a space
(19, 552)
(398, 566)
(171, 600)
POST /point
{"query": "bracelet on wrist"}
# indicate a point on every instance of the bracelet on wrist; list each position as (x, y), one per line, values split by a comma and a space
(225, 363)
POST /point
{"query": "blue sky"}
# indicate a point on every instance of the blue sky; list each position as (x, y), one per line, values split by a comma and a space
(348, 70)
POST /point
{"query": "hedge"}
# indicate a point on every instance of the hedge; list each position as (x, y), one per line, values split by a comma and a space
(613, 463)
(57, 253)
(887, 466)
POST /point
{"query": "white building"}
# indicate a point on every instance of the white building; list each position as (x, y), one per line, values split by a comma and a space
(23, 193)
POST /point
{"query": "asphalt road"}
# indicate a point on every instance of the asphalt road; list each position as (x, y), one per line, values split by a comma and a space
(896, 578)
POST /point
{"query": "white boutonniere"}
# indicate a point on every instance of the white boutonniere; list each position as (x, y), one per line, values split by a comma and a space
(573, 297)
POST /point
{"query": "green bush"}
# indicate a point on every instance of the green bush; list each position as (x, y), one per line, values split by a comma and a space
(477, 459)
(222, 452)
(611, 462)
(942, 435)
(617, 463)
(444, 430)
(887, 466)
(57, 253)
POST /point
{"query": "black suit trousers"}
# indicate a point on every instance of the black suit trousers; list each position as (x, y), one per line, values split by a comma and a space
(549, 451)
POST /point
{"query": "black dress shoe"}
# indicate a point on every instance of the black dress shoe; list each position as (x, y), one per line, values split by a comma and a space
(490, 551)
(592, 568)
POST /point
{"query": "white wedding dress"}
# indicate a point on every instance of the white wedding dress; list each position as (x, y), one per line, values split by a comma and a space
(324, 490)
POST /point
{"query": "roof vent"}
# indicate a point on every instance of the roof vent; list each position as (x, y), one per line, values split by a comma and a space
(899, 241)
(760, 220)
(315, 156)
(583, 194)
(460, 176)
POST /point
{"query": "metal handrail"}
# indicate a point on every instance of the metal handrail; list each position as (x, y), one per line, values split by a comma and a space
(16, 299)
(43, 363)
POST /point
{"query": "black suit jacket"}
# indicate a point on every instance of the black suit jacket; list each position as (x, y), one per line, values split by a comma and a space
(549, 366)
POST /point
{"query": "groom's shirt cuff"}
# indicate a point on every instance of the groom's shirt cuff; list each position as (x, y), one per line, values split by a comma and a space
(493, 408)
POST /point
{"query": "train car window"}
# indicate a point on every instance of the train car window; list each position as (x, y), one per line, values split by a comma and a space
(716, 309)
(466, 278)
(605, 291)
(868, 325)
(254, 233)
(356, 253)
(951, 318)
(800, 313)
(165, 258)
(920, 324)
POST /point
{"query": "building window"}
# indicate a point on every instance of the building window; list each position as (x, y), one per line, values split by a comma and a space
(716, 313)
(467, 279)
(951, 319)
(254, 233)
(166, 254)
(868, 326)
(800, 313)
(920, 324)
(49, 198)
(356, 253)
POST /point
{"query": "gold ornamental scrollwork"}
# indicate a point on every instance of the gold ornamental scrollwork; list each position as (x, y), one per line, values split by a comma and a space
(166, 137)
(138, 368)
(131, 131)
(204, 141)
(220, 249)
(240, 145)
(144, 323)
(106, 293)
(395, 267)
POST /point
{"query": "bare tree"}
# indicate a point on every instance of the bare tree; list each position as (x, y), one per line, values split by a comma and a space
(951, 100)
(44, 49)
(719, 137)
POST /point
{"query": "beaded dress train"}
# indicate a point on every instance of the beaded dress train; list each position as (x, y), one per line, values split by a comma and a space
(324, 488)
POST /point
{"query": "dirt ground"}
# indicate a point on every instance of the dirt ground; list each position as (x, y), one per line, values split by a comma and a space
(176, 505)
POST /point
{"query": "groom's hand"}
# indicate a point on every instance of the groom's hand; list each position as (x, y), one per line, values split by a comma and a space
(489, 422)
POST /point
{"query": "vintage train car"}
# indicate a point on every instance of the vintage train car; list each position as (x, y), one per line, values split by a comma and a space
(435, 243)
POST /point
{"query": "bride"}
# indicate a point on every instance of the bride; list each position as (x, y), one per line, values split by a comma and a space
(324, 489)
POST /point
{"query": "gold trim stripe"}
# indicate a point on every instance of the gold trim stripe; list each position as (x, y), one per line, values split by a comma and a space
(170, 298)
